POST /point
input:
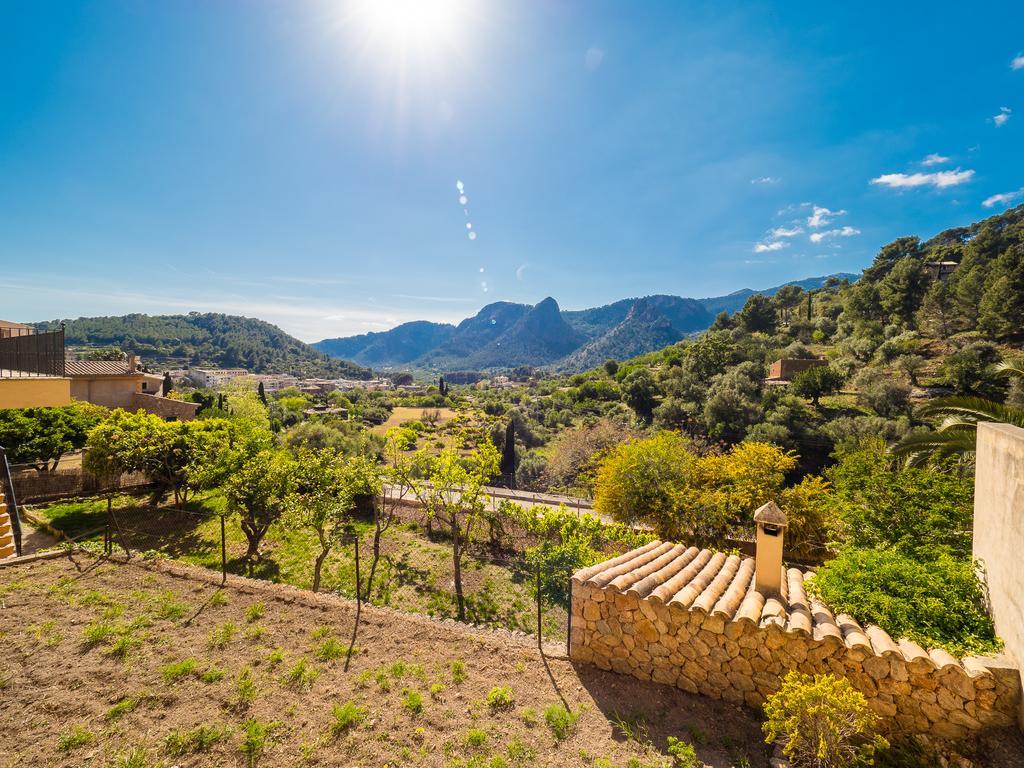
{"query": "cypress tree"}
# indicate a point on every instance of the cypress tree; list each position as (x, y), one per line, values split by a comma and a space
(262, 393)
(508, 456)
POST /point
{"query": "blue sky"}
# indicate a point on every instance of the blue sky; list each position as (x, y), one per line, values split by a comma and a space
(298, 161)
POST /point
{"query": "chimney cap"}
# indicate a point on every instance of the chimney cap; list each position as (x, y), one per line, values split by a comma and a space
(770, 514)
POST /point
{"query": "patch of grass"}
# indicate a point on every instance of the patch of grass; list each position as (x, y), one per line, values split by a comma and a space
(172, 673)
(124, 645)
(475, 738)
(275, 657)
(222, 635)
(412, 701)
(198, 739)
(98, 632)
(560, 721)
(219, 599)
(75, 738)
(168, 608)
(47, 633)
(346, 717)
(255, 612)
(301, 676)
(458, 671)
(383, 681)
(123, 707)
(254, 633)
(212, 675)
(500, 698)
(529, 716)
(134, 759)
(330, 649)
(437, 691)
(632, 727)
(519, 752)
(255, 736)
(320, 632)
(398, 669)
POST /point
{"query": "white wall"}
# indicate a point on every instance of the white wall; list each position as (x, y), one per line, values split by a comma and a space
(999, 530)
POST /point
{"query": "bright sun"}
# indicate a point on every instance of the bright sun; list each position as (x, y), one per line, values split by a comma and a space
(413, 27)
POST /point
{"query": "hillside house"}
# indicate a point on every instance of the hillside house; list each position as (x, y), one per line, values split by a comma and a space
(786, 368)
(940, 270)
(120, 384)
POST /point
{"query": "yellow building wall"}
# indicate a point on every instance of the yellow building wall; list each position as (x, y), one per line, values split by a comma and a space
(108, 391)
(35, 393)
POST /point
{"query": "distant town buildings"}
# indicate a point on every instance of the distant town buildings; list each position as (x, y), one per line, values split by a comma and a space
(213, 378)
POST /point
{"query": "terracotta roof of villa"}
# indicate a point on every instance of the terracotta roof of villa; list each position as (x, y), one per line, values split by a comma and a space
(91, 368)
(716, 584)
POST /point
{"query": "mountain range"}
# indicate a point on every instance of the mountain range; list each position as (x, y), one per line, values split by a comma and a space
(505, 334)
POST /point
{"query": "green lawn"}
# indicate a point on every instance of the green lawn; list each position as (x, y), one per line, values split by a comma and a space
(414, 573)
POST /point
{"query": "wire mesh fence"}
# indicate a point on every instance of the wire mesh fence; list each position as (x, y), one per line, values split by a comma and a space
(412, 568)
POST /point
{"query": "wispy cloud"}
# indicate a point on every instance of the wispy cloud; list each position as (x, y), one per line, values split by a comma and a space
(786, 232)
(1017, 62)
(776, 245)
(1004, 198)
(766, 180)
(1002, 117)
(817, 237)
(822, 216)
(939, 179)
(934, 159)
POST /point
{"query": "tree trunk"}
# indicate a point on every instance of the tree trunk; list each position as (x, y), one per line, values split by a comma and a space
(376, 559)
(457, 567)
(254, 536)
(325, 550)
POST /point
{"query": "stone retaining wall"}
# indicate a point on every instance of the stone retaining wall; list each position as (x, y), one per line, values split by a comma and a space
(742, 660)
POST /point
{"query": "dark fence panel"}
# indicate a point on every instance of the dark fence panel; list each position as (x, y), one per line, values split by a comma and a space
(36, 354)
(33, 486)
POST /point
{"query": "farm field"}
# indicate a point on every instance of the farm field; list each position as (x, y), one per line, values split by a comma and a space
(151, 663)
(403, 413)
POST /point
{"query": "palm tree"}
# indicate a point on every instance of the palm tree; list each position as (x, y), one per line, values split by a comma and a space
(956, 434)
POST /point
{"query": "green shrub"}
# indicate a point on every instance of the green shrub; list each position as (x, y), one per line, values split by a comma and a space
(172, 673)
(75, 738)
(476, 738)
(245, 687)
(561, 721)
(437, 691)
(412, 701)
(346, 717)
(823, 722)
(255, 612)
(199, 739)
(330, 649)
(301, 676)
(222, 635)
(254, 740)
(458, 671)
(683, 754)
(937, 602)
(500, 698)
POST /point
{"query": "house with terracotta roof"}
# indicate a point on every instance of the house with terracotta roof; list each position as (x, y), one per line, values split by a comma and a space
(120, 384)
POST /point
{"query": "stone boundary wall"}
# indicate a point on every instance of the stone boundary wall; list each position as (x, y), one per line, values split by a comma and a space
(743, 660)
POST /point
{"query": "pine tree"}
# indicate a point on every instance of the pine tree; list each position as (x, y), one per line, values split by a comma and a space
(262, 393)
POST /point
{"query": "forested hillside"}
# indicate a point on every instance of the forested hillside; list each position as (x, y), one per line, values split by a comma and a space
(206, 339)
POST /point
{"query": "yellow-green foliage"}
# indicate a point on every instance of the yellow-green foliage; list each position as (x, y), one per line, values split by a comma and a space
(823, 722)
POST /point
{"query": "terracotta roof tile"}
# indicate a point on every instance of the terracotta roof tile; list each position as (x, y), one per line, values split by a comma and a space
(706, 582)
(89, 368)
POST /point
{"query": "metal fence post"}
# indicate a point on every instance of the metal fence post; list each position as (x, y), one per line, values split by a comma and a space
(540, 636)
(223, 554)
(358, 583)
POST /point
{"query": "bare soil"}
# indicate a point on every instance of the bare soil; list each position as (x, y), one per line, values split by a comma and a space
(65, 701)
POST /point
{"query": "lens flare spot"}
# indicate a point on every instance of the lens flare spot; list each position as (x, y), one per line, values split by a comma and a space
(472, 235)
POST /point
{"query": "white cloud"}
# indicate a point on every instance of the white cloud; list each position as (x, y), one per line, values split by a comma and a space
(817, 237)
(592, 58)
(766, 180)
(776, 245)
(821, 216)
(1018, 62)
(784, 232)
(1002, 117)
(934, 159)
(1004, 198)
(939, 179)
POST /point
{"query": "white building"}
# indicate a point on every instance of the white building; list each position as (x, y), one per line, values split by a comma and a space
(213, 378)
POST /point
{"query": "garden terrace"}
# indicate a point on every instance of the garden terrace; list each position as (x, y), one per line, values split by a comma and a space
(693, 618)
(106, 659)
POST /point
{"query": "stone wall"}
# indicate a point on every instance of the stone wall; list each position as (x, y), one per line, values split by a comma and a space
(742, 659)
(999, 530)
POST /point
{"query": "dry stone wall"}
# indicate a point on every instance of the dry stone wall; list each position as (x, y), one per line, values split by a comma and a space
(710, 632)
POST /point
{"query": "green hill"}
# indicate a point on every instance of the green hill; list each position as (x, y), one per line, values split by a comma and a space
(195, 339)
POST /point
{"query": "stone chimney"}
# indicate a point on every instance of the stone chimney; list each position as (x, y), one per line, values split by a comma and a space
(771, 525)
(133, 363)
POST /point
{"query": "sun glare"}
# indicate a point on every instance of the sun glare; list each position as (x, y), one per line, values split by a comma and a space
(411, 27)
